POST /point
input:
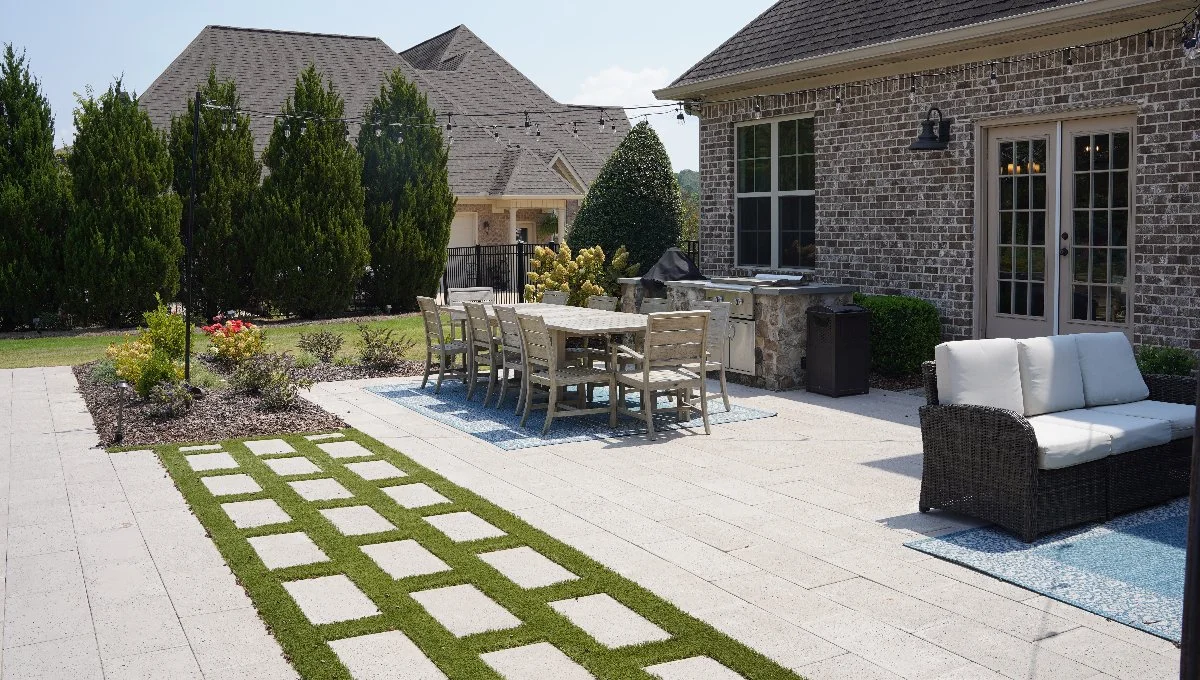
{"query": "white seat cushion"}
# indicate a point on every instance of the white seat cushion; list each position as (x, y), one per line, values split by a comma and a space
(1051, 379)
(1182, 417)
(980, 373)
(1060, 446)
(1128, 433)
(1110, 373)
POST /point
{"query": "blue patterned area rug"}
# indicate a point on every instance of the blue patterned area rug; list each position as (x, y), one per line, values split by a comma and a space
(1129, 569)
(502, 428)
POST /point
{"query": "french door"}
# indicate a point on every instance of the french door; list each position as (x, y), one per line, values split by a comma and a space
(1058, 228)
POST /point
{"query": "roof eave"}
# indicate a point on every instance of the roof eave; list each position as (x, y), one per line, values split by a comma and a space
(894, 50)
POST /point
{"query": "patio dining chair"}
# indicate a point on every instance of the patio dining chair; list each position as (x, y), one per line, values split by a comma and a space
(436, 343)
(607, 303)
(655, 305)
(719, 334)
(512, 355)
(481, 349)
(473, 294)
(555, 297)
(674, 346)
(544, 370)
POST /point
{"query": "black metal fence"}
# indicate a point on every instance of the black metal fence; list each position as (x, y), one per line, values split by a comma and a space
(692, 250)
(501, 268)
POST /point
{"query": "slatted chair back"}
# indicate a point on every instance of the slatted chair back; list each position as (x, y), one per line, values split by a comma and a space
(607, 303)
(675, 339)
(655, 305)
(718, 328)
(538, 342)
(434, 332)
(510, 329)
(555, 297)
(479, 328)
(474, 294)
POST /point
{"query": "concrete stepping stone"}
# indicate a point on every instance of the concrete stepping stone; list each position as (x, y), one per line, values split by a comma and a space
(464, 610)
(402, 559)
(329, 599)
(323, 437)
(320, 489)
(414, 495)
(375, 469)
(201, 447)
(279, 551)
(231, 485)
(527, 567)
(211, 461)
(357, 520)
(611, 623)
(250, 514)
(384, 656)
(541, 660)
(464, 526)
(690, 669)
(295, 465)
(267, 447)
(345, 450)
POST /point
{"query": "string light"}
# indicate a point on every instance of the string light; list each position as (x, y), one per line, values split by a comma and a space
(837, 103)
(994, 79)
(912, 90)
(757, 108)
(601, 128)
(680, 117)
(1149, 39)
(1069, 59)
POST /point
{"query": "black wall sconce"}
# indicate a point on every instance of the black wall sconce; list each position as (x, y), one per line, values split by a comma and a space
(928, 140)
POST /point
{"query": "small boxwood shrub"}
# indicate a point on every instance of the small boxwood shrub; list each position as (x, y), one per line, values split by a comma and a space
(1165, 360)
(904, 331)
(169, 400)
(379, 347)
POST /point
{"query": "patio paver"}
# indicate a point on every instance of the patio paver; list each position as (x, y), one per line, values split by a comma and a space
(414, 495)
(291, 466)
(230, 485)
(402, 559)
(357, 520)
(465, 610)
(372, 470)
(691, 668)
(267, 447)
(384, 656)
(539, 660)
(345, 450)
(251, 514)
(200, 447)
(329, 599)
(464, 526)
(279, 551)
(202, 462)
(320, 489)
(527, 567)
(611, 623)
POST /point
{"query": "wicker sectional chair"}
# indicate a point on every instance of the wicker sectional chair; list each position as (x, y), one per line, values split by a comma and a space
(1042, 434)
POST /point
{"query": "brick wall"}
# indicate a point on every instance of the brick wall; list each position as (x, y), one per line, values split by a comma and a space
(890, 220)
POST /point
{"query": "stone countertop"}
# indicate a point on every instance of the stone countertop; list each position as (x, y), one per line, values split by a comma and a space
(811, 289)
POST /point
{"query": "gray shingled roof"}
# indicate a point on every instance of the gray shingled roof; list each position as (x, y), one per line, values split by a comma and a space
(792, 30)
(457, 71)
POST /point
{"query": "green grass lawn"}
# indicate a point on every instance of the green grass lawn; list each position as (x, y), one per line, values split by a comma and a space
(458, 657)
(69, 350)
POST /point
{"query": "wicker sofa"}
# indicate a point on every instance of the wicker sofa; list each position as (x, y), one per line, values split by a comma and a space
(1041, 434)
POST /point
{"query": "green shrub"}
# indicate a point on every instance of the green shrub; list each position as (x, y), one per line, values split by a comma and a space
(271, 376)
(306, 360)
(158, 368)
(1165, 360)
(104, 372)
(169, 400)
(904, 331)
(380, 348)
(165, 331)
(324, 345)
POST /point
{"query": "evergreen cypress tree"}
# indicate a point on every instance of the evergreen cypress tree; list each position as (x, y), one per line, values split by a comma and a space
(409, 205)
(227, 178)
(34, 199)
(123, 243)
(634, 202)
(310, 209)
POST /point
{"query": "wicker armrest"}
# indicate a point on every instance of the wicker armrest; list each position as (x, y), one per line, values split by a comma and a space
(1177, 389)
(978, 438)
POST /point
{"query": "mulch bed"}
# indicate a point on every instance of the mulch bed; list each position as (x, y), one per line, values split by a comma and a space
(883, 382)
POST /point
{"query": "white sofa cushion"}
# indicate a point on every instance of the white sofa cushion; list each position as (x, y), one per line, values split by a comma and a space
(1128, 432)
(1110, 373)
(1182, 417)
(980, 373)
(1051, 379)
(1060, 446)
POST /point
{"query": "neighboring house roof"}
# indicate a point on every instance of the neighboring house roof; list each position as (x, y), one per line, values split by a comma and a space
(458, 72)
(801, 31)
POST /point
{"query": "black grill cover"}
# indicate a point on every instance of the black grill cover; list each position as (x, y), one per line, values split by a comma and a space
(674, 265)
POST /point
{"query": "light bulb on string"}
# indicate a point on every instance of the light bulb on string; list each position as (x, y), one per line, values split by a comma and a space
(912, 91)
(837, 103)
(680, 117)
(757, 109)
(614, 126)
(575, 127)
(1149, 39)
(378, 133)
(601, 128)
(1191, 39)
(537, 130)
(994, 78)
(1069, 59)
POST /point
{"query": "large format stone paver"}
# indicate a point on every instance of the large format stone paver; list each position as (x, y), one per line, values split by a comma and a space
(465, 610)
(230, 485)
(375, 470)
(323, 437)
(611, 623)
(329, 599)
(279, 551)
(527, 567)
(291, 466)
(202, 462)
(402, 559)
(539, 660)
(320, 489)
(259, 513)
(267, 447)
(384, 656)
(200, 447)
(344, 449)
(464, 526)
(357, 520)
(691, 669)
(413, 496)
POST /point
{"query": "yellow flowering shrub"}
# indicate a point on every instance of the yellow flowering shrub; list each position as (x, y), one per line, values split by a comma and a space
(579, 276)
(140, 364)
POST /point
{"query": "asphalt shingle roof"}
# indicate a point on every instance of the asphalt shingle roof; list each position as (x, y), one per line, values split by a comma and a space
(458, 72)
(791, 30)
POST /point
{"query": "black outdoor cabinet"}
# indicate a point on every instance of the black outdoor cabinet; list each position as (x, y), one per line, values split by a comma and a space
(838, 362)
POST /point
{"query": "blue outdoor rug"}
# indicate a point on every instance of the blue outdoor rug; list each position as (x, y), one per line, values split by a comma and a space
(1129, 569)
(502, 428)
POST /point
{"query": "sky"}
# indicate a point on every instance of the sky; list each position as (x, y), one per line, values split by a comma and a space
(608, 53)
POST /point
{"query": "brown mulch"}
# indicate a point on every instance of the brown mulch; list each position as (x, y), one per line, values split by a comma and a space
(883, 382)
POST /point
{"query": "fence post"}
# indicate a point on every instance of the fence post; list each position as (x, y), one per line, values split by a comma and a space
(478, 265)
(521, 271)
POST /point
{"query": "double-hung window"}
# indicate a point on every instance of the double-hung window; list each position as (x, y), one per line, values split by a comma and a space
(776, 205)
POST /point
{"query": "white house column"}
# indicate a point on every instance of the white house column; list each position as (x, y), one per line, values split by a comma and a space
(512, 224)
(562, 223)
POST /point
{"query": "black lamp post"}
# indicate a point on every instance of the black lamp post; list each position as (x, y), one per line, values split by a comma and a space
(1189, 658)
(187, 257)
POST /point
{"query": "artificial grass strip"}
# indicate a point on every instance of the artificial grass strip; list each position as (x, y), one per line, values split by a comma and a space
(305, 643)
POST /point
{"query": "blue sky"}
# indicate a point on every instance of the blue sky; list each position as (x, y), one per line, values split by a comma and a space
(609, 52)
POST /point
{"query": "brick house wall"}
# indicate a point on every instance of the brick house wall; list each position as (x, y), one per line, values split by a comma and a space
(894, 221)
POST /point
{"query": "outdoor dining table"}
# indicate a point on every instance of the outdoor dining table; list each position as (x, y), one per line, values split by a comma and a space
(566, 321)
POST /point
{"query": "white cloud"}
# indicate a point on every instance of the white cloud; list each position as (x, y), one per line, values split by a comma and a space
(620, 86)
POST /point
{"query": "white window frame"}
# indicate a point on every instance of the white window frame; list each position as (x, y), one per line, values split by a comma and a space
(774, 194)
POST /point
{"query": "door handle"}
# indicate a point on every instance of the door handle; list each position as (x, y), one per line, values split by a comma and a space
(1064, 251)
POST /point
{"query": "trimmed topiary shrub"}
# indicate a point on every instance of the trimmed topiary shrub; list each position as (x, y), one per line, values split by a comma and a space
(1153, 360)
(904, 331)
(634, 202)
